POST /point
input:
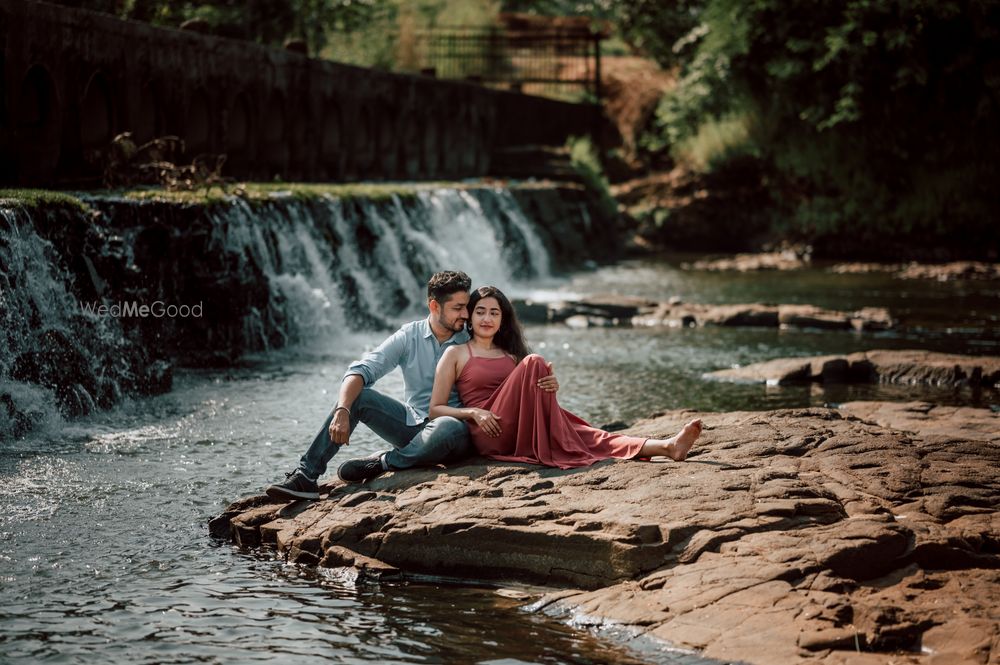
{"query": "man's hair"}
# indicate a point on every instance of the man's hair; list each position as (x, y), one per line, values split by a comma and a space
(443, 284)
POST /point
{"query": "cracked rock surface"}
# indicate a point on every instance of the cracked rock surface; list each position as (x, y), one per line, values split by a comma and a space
(878, 366)
(866, 535)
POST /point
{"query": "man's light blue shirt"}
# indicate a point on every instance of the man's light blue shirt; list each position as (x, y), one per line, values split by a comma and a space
(414, 349)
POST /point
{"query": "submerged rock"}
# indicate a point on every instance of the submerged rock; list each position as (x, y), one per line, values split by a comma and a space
(942, 272)
(787, 535)
(879, 366)
(614, 310)
(795, 258)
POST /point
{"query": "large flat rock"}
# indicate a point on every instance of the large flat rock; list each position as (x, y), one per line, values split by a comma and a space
(879, 366)
(791, 535)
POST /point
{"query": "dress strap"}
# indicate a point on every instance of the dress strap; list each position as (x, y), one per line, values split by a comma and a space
(468, 347)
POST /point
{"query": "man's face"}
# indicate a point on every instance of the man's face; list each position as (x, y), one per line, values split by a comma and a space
(453, 312)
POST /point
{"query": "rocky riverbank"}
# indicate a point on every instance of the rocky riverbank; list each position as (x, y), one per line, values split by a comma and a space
(800, 257)
(613, 310)
(878, 366)
(790, 535)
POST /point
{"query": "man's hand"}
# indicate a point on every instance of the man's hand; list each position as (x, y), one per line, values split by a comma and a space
(550, 383)
(488, 421)
(340, 427)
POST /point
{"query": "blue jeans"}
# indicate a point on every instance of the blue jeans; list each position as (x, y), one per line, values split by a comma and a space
(437, 441)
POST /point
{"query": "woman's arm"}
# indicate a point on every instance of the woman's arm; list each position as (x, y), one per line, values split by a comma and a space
(444, 381)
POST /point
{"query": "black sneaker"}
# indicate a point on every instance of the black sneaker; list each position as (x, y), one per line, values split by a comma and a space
(296, 486)
(360, 470)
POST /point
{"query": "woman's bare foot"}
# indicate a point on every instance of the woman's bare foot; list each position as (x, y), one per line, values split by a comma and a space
(677, 446)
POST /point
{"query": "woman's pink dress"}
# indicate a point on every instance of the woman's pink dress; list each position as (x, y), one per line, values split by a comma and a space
(535, 428)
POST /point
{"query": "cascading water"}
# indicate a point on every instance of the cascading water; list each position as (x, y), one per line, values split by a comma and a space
(260, 276)
(54, 355)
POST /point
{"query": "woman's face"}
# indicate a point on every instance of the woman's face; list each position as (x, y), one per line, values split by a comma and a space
(486, 317)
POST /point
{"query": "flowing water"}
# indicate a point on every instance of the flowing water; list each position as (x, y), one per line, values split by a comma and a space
(104, 551)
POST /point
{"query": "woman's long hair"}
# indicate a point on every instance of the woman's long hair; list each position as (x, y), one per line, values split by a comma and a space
(509, 337)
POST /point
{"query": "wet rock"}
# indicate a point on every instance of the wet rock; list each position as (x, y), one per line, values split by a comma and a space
(788, 259)
(948, 272)
(942, 272)
(764, 315)
(15, 422)
(57, 363)
(613, 310)
(879, 366)
(787, 535)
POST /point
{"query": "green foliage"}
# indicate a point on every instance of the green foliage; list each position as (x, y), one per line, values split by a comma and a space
(879, 116)
(717, 141)
(584, 157)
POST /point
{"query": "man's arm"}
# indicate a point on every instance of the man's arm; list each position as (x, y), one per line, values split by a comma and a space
(340, 426)
(365, 372)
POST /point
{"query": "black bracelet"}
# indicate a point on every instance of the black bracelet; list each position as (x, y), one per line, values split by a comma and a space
(344, 408)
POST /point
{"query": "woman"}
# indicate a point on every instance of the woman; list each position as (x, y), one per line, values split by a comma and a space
(509, 416)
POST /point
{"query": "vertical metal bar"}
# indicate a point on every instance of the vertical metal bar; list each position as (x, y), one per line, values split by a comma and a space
(597, 66)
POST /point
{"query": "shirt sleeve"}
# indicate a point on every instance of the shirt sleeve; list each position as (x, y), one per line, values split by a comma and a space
(386, 357)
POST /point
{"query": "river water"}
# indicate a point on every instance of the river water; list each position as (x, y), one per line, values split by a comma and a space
(105, 554)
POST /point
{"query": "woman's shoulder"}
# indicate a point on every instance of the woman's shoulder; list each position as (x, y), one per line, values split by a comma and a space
(455, 351)
(456, 354)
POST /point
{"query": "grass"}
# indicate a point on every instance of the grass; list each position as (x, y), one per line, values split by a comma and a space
(716, 141)
(38, 199)
(256, 193)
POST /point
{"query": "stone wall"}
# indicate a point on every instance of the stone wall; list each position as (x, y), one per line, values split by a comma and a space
(73, 79)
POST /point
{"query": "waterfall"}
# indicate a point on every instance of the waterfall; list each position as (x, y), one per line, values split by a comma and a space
(262, 275)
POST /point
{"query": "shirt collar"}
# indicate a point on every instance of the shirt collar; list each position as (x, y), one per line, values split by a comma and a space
(429, 332)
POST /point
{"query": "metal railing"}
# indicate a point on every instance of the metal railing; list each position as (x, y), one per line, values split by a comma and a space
(541, 62)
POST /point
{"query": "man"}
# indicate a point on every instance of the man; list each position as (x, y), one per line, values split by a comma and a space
(416, 349)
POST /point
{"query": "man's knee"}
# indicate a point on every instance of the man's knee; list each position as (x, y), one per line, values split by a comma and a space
(447, 433)
(366, 398)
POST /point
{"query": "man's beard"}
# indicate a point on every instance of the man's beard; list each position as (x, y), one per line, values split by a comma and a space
(456, 326)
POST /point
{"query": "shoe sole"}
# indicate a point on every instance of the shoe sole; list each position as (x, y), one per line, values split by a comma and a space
(282, 493)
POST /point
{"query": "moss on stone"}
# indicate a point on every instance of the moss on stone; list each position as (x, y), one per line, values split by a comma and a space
(40, 200)
(264, 192)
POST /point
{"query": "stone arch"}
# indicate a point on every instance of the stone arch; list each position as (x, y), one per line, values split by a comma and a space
(7, 162)
(274, 126)
(239, 132)
(410, 146)
(331, 142)
(198, 123)
(431, 141)
(476, 158)
(467, 154)
(274, 133)
(364, 144)
(37, 99)
(388, 139)
(97, 113)
(145, 117)
(37, 121)
(450, 145)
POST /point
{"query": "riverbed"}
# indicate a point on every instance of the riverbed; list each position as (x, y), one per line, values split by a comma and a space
(104, 550)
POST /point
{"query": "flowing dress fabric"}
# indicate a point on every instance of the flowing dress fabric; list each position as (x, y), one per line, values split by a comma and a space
(535, 428)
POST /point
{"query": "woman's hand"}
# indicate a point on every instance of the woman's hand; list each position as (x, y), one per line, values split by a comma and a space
(549, 383)
(488, 421)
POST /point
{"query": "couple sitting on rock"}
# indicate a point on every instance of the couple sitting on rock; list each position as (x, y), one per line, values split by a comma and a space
(471, 387)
